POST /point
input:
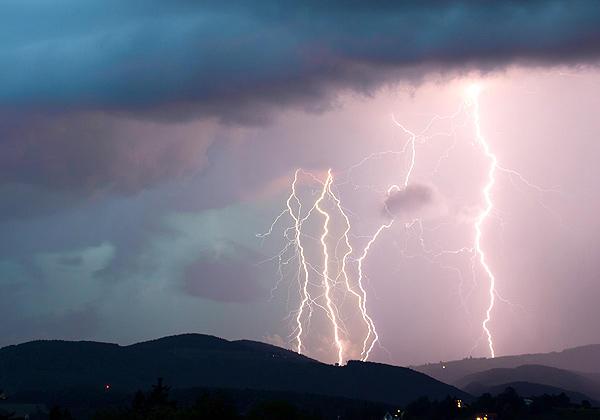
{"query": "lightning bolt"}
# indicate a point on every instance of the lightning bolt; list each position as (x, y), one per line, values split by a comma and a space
(326, 197)
(325, 272)
(294, 209)
(303, 265)
(473, 93)
(362, 296)
(367, 350)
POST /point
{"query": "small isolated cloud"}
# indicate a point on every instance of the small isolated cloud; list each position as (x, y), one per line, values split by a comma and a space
(71, 260)
(414, 199)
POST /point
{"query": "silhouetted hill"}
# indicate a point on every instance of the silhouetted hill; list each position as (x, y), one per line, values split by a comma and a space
(528, 389)
(578, 359)
(593, 376)
(194, 360)
(532, 374)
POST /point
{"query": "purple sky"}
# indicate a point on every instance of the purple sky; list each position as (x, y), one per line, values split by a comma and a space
(135, 176)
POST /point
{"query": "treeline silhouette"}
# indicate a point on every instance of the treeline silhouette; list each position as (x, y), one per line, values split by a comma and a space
(157, 404)
(507, 405)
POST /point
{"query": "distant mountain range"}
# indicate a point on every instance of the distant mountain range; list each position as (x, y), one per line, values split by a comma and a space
(584, 359)
(532, 380)
(194, 360)
(576, 372)
(530, 389)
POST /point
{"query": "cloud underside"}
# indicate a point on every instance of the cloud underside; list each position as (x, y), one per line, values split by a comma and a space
(236, 61)
(90, 92)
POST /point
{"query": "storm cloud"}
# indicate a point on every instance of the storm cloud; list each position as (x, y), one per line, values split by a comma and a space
(90, 93)
(410, 200)
(237, 60)
(95, 151)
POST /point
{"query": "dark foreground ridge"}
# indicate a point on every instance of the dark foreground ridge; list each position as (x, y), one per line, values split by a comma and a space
(196, 376)
(194, 360)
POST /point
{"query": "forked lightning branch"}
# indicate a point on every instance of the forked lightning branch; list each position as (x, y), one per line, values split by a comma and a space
(331, 268)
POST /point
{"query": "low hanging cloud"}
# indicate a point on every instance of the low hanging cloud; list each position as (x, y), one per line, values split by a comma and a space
(238, 60)
(231, 277)
(84, 153)
(411, 201)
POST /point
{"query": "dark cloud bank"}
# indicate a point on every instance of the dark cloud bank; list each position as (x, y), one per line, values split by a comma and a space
(75, 73)
(233, 59)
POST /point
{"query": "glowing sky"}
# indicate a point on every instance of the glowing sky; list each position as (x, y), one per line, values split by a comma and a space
(142, 149)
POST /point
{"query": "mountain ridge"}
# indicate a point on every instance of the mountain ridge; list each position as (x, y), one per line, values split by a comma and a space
(196, 360)
(582, 359)
(528, 389)
(544, 376)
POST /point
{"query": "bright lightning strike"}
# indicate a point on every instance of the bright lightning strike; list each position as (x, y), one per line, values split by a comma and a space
(304, 267)
(473, 92)
(328, 282)
(325, 273)
(326, 210)
(362, 296)
(367, 350)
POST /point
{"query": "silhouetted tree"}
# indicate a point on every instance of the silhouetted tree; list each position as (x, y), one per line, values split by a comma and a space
(547, 403)
(509, 404)
(139, 401)
(484, 402)
(215, 406)
(159, 396)
(57, 413)
(153, 405)
(275, 410)
(418, 408)
(446, 409)
(562, 400)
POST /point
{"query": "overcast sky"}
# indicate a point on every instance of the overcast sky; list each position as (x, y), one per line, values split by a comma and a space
(143, 146)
